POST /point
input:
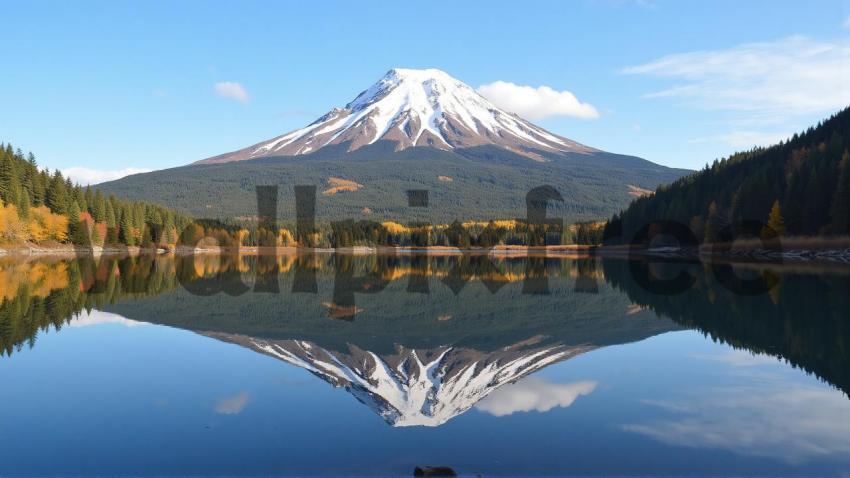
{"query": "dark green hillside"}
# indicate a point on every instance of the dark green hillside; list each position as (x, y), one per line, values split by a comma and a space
(477, 183)
(807, 178)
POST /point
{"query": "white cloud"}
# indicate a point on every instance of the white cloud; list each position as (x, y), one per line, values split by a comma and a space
(533, 393)
(232, 90)
(791, 423)
(777, 79)
(96, 317)
(232, 405)
(87, 176)
(744, 139)
(536, 103)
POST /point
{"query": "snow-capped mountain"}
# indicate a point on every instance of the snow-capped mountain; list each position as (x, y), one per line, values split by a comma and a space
(414, 108)
(415, 387)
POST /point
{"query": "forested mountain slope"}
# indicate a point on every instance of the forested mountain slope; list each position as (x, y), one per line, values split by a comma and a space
(801, 187)
(480, 183)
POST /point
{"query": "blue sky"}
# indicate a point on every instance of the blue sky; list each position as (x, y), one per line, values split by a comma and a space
(114, 86)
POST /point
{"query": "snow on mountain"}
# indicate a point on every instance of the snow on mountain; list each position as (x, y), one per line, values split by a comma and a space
(414, 108)
(414, 387)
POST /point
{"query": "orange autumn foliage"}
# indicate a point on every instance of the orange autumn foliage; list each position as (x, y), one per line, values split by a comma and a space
(39, 226)
(41, 278)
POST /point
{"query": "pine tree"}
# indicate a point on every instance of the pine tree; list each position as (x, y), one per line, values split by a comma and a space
(24, 208)
(7, 172)
(125, 234)
(111, 224)
(840, 213)
(137, 220)
(775, 222)
(77, 194)
(27, 180)
(96, 240)
(14, 193)
(57, 194)
(38, 191)
(88, 196)
(98, 205)
(713, 223)
(168, 230)
(76, 229)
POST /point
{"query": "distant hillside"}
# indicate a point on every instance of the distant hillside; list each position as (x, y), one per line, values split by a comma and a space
(478, 183)
(800, 187)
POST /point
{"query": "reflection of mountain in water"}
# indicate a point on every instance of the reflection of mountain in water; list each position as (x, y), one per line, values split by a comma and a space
(415, 387)
(417, 358)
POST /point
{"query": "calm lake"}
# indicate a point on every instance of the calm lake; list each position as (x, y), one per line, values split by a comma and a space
(372, 365)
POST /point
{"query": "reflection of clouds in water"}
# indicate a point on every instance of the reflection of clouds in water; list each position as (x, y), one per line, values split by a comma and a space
(96, 317)
(232, 405)
(789, 422)
(533, 393)
(740, 358)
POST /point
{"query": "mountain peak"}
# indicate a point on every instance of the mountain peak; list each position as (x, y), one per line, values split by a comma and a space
(420, 74)
(414, 108)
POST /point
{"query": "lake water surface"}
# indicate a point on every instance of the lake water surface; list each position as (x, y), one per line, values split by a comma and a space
(372, 365)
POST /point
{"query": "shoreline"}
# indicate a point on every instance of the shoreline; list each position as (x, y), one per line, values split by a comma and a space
(64, 249)
(741, 254)
(755, 254)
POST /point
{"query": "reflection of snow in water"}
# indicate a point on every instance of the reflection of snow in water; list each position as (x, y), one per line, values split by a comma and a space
(96, 317)
(406, 389)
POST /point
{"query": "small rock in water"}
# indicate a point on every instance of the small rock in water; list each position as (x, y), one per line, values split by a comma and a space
(433, 471)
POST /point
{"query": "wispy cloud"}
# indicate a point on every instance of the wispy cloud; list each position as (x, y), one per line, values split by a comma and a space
(783, 78)
(88, 176)
(232, 90)
(847, 23)
(533, 394)
(744, 139)
(232, 405)
(536, 103)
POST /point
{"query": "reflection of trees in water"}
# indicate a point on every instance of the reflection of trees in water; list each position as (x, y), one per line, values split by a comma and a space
(39, 295)
(802, 319)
